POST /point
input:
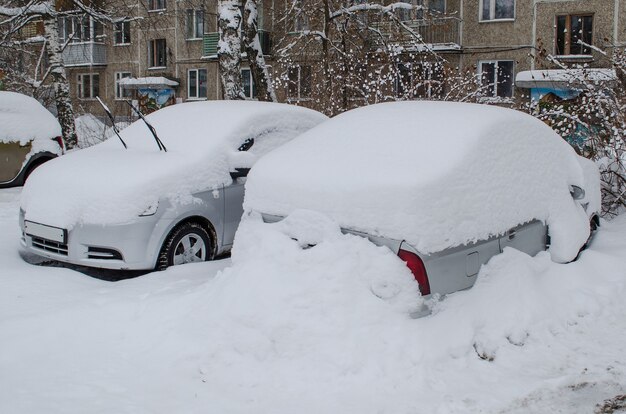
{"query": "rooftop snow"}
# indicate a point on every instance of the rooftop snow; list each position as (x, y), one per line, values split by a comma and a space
(153, 81)
(23, 119)
(435, 174)
(108, 184)
(563, 78)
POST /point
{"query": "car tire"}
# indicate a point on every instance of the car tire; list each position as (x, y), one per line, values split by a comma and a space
(593, 227)
(187, 243)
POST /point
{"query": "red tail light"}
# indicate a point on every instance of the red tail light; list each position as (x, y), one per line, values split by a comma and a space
(416, 265)
(59, 141)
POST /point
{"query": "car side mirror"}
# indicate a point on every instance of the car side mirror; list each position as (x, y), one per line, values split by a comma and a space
(239, 173)
(577, 192)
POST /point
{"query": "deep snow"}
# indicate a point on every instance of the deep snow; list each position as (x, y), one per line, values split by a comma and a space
(319, 330)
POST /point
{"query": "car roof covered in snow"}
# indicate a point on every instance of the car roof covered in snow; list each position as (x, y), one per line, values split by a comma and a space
(23, 119)
(109, 184)
(436, 174)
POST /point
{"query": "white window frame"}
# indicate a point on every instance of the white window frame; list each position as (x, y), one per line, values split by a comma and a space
(492, 12)
(496, 82)
(80, 93)
(197, 97)
(119, 94)
(251, 95)
(125, 42)
(157, 5)
(299, 96)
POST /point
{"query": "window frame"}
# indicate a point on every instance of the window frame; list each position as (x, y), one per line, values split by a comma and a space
(492, 12)
(299, 96)
(567, 42)
(191, 24)
(253, 95)
(496, 82)
(80, 86)
(197, 96)
(153, 5)
(153, 56)
(119, 94)
(124, 42)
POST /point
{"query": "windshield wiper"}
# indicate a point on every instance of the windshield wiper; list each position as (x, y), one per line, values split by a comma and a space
(110, 115)
(150, 127)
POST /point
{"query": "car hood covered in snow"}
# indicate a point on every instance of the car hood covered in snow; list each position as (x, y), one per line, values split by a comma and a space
(435, 174)
(23, 119)
(108, 184)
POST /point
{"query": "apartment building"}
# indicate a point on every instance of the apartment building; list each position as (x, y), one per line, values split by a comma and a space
(167, 52)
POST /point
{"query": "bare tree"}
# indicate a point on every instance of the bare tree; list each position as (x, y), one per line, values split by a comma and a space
(229, 48)
(260, 71)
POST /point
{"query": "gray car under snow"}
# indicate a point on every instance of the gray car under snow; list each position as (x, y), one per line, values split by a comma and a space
(160, 202)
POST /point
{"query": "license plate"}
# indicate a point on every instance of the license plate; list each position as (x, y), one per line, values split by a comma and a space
(45, 232)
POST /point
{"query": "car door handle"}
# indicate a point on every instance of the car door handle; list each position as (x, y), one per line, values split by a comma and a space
(511, 234)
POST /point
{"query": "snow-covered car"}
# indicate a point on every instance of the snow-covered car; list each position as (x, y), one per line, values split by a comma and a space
(446, 186)
(29, 136)
(171, 197)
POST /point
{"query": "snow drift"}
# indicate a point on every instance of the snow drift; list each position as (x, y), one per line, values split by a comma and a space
(23, 119)
(108, 184)
(433, 173)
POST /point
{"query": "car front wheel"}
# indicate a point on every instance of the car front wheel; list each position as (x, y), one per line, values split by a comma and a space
(188, 243)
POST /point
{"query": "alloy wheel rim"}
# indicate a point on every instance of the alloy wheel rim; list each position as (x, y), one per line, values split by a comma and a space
(191, 248)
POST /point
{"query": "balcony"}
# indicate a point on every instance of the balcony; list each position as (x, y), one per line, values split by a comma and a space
(84, 54)
(210, 43)
(437, 33)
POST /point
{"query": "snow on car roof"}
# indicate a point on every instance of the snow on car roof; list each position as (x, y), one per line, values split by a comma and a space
(23, 119)
(108, 184)
(436, 174)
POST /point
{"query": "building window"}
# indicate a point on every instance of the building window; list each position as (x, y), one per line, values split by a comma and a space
(157, 53)
(122, 33)
(195, 24)
(438, 6)
(497, 9)
(415, 13)
(79, 29)
(419, 80)
(497, 78)
(88, 85)
(249, 88)
(197, 84)
(570, 30)
(121, 93)
(156, 5)
(299, 82)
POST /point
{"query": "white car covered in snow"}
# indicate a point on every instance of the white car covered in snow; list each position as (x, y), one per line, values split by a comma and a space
(446, 186)
(171, 197)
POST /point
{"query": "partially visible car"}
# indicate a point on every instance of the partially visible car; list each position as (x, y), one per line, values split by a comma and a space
(445, 186)
(29, 136)
(173, 196)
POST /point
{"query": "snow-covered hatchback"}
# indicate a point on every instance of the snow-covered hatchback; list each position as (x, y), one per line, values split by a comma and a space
(29, 136)
(446, 186)
(162, 201)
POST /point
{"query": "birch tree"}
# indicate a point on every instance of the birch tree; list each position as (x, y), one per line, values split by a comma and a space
(229, 48)
(260, 71)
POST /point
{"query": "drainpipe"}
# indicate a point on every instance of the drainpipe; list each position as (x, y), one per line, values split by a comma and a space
(176, 38)
(534, 39)
(616, 24)
(461, 28)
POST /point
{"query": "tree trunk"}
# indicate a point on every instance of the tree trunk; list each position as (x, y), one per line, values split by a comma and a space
(65, 110)
(229, 49)
(260, 72)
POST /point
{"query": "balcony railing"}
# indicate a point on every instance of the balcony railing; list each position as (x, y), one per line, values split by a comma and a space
(210, 41)
(438, 33)
(85, 54)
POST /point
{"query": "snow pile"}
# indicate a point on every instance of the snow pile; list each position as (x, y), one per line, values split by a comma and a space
(436, 174)
(91, 130)
(313, 330)
(109, 184)
(593, 191)
(23, 119)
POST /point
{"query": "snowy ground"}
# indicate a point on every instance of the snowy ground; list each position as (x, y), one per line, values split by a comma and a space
(311, 331)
